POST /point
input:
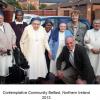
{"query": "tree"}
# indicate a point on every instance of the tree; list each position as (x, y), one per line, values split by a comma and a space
(18, 5)
(32, 7)
(14, 3)
(42, 6)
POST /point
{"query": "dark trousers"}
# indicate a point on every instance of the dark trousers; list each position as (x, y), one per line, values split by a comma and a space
(70, 75)
(47, 60)
(2, 79)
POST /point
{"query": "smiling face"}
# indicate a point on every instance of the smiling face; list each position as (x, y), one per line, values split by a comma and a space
(75, 16)
(36, 24)
(96, 25)
(48, 27)
(62, 27)
(19, 16)
(70, 43)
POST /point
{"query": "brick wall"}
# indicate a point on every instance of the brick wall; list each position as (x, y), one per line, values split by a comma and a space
(96, 9)
(43, 12)
(97, 14)
(9, 14)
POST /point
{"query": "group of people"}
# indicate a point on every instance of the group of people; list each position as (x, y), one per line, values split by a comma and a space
(70, 52)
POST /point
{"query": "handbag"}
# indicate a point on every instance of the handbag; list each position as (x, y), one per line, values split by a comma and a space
(17, 70)
(16, 75)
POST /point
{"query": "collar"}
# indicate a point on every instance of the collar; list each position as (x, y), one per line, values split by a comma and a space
(61, 32)
(18, 22)
(49, 32)
(72, 50)
(96, 30)
(2, 24)
(2, 27)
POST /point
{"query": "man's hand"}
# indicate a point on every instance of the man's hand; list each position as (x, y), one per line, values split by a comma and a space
(60, 74)
(80, 81)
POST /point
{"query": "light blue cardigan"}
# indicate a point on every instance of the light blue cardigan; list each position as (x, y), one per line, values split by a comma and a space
(54, 41)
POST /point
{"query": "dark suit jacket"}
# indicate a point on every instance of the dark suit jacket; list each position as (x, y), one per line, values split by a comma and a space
(81, 60)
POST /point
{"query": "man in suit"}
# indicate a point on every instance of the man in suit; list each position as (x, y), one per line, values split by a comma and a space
(78, 69)
(77, 28)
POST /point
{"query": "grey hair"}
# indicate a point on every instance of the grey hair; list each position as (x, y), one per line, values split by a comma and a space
(70, 36)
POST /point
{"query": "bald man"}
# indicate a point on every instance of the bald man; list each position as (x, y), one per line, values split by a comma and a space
(78, 69)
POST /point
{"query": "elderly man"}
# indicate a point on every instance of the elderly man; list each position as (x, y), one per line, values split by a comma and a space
(78, 69)
(92, 42)
(7, 43)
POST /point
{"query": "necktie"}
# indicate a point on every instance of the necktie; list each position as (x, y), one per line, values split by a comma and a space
(71, 58)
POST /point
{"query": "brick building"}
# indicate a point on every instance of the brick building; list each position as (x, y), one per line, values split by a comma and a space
(2, 5)
(89, 9)
(7, 10)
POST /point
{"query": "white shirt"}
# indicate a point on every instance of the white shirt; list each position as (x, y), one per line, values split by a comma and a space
(75, 28)
(61, 38)
(97, 34)
(18, 22)
(48, 34)
(2, 28)
(61, 42)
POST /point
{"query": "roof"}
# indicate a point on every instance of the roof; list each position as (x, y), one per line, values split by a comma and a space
(3, 3)
(53, 1)
(79, 2)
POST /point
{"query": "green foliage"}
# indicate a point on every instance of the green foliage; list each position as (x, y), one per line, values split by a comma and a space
(31, 7)
(14, 3)
(42, 6)
(18, 5)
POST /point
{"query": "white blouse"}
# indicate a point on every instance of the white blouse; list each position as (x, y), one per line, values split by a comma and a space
(61, 43)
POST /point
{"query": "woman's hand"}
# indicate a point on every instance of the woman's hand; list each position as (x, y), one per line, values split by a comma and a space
(95, 51)
(49, 54)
